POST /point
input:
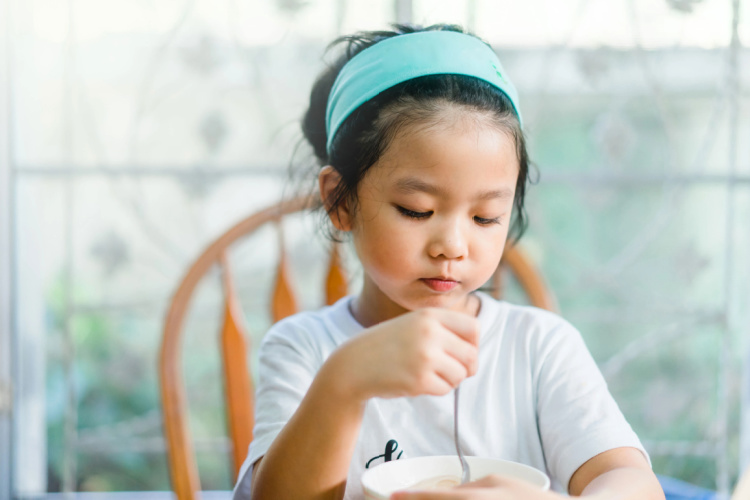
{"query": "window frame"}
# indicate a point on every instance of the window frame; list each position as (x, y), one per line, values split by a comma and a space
(6, 268)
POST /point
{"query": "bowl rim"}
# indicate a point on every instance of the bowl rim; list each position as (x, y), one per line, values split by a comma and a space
(367, 476)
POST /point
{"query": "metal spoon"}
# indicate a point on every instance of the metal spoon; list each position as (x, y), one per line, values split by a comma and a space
(465, 473)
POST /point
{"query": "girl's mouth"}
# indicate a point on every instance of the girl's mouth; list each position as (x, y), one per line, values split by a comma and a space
(440, 285)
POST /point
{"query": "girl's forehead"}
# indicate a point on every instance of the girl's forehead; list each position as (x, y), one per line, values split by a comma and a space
(449, 164)
(415, 184)
(463, 148)
(413, 115)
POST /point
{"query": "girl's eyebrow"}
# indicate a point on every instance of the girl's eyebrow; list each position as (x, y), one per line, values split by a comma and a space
(409, 185)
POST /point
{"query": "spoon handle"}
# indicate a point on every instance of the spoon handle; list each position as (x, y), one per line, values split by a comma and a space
(464, 463)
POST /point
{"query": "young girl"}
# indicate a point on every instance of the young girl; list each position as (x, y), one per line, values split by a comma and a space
(420, 135)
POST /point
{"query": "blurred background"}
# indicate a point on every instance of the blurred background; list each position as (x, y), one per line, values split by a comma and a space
(134, 132)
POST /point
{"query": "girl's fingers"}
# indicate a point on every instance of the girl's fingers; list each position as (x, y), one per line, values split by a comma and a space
(463, 352)
(428, 495)
(487, 488)
(451, 371)
(461, 324)
(436, 385)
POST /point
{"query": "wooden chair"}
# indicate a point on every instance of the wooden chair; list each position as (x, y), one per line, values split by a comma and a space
(237, 383)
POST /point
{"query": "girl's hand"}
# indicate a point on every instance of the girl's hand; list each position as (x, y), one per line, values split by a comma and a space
(428, 351)
(488, 488)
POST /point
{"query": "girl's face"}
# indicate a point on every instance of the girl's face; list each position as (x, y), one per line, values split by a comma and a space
(433, 216)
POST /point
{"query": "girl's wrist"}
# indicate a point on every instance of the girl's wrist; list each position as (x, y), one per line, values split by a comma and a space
(341, 382)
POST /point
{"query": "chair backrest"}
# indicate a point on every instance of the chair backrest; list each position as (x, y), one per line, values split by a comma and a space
(237, 382)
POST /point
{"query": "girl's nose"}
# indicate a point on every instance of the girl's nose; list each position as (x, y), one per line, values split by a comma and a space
(448, 241)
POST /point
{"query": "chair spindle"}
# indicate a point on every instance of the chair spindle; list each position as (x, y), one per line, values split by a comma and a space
(239, 389)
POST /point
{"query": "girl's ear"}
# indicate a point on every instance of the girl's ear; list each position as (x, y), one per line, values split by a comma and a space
(328, 181)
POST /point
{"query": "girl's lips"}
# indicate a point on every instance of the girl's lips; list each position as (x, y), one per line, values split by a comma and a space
(440, 285)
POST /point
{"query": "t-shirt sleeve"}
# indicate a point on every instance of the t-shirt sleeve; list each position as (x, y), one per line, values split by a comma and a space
(287, 364)
(578, 417)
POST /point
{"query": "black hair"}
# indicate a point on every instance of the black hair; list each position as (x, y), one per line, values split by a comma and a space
(365, 135)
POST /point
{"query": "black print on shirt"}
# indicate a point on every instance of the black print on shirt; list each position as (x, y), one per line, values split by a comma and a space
(390, 448)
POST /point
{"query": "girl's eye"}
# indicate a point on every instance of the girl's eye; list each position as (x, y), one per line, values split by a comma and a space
(486, 222)
(412, 214)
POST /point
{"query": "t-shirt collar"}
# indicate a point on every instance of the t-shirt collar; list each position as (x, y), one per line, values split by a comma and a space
(349, 326)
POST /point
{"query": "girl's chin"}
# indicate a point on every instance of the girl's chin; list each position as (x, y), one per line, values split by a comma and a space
(444, 300)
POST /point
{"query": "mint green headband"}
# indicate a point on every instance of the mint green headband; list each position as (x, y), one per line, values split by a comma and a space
(404, 57)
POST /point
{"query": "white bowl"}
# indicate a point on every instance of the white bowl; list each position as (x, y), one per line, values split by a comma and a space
(379, 482)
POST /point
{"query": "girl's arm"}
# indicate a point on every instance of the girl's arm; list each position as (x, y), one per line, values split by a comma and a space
(617, 474)
(428, 352)
(310, 457)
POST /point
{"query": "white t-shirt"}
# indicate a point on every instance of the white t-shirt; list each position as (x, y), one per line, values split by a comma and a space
(538, 397)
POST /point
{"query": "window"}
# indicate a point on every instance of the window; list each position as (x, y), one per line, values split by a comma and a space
(141, 130)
